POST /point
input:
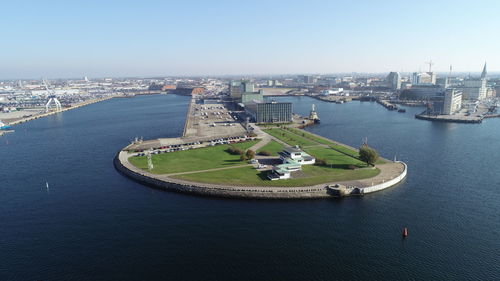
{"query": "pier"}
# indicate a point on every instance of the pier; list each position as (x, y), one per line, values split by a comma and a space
(41, 115)
(387, 104)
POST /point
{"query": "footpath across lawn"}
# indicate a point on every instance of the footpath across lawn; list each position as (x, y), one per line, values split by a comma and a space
(193, 160)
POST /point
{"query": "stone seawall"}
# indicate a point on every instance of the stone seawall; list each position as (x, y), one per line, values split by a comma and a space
(389, 183)
(222, 191)
(239, 192)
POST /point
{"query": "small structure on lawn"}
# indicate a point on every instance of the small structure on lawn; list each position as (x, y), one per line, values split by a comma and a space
(292, 159)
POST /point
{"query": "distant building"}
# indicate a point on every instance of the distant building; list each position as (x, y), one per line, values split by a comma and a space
(423, 91)
(236, 88)
(423, 78)
(244, 92)
(269, 112)
(333, 91)
(443, 82)
(394, 80)
(247, 97)
(169, 87)
(185, 91)
(452, 101)
(475, 88)
(306, 79)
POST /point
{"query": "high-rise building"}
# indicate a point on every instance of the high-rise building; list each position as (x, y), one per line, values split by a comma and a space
(394, 80)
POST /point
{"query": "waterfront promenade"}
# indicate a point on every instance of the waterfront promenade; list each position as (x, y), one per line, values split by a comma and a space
(390, 175)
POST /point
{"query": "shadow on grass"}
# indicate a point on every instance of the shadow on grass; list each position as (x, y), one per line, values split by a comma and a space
(263, 175)
(342, 166)
(232, 162)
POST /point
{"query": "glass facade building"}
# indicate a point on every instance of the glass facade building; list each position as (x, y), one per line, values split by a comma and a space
(270, 112)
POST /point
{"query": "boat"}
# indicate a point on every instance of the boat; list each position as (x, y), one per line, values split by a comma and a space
(4, 126)
(313, 115)
(401, 110)
(405, 232)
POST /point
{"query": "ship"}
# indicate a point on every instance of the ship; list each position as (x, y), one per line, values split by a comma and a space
(4, 126)
(313, 115)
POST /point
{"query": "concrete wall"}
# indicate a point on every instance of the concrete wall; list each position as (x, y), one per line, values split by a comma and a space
(386, 184)
(241, 192)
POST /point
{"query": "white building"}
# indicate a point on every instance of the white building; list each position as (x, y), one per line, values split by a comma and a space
(293, 158)
(333, 91)
(452, 101)
(475, 89)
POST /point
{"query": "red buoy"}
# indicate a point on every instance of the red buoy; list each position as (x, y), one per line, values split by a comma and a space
(405, 232)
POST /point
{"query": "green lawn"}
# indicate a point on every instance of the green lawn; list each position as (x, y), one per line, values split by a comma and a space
(249, 176)
(333, 157)
(309, 136)
(295, 136)
(192, 160)
(290, 138)
(273, 146)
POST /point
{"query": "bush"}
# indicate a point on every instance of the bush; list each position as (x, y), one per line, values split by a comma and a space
(243, 157)
(265, 153)
(252, 134)
(235, 151)
(250, 154)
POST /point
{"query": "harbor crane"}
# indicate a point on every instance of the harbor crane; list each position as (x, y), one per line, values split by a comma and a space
(53, 101)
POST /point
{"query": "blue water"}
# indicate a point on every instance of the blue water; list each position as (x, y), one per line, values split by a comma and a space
(94, 224)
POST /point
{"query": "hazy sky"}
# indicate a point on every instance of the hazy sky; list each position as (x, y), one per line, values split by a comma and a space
(140, 38)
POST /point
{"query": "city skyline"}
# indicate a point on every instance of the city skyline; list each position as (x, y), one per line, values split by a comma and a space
(127, 39)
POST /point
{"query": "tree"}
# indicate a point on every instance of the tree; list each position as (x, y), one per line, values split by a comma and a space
(250, 154)
(368, 155)
(243, 157)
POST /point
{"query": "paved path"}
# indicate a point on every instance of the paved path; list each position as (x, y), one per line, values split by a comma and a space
(207, 170)
(388, 171)
(266, 138)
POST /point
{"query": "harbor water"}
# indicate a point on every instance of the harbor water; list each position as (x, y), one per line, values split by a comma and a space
(67, 214)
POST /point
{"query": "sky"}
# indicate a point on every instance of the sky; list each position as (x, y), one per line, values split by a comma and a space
(68, 39)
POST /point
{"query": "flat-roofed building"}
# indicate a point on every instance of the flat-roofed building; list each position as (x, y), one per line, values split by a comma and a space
(269, 112)
(292, 160)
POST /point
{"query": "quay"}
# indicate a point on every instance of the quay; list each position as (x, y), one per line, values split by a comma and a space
(41, 115)
(450, 118)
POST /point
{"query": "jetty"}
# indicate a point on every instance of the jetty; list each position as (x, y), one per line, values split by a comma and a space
(387, 104)
(210, 130)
